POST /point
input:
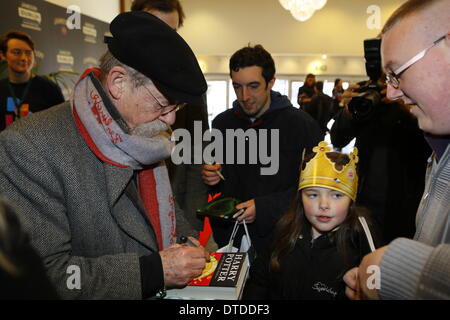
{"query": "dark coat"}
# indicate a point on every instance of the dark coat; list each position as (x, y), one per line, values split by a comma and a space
(189, 190)
(42, 94)
(22, 274)
(321, 109)
(392, 162)
(312, 270)
(272, 193)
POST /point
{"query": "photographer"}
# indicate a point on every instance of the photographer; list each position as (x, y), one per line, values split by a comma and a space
(392, 150)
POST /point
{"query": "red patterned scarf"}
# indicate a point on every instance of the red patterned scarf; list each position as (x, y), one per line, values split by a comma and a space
(111, 144)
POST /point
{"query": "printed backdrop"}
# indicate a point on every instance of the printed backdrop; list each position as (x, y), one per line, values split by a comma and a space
(58, 48)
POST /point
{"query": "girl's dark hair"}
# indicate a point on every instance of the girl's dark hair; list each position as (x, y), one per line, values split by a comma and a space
(254, 56)
(293, 222)
(160, 5)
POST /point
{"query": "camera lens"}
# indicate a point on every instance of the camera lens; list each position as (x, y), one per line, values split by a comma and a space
(362, 105)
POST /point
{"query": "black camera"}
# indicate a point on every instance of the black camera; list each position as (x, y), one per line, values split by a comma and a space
(363, 105)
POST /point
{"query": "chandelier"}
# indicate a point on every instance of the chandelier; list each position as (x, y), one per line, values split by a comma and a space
(302, 10)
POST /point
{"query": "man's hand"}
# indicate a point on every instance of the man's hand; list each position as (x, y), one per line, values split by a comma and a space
(210, 175)
(356, 279)
(249, 214)
(348, 95)
(352, 284)
(182, 263)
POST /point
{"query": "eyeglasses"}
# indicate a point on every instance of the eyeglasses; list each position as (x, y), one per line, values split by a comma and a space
(166, 109)
(392, 77)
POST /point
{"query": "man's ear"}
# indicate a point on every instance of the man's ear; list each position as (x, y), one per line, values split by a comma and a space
(116, 81)
(2, 55)
(271, 83)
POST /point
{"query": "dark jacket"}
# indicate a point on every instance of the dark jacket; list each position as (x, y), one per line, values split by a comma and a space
(189, 191)
(320, 109)
(392, 161)
(22, 273)
(307, 92)
(42, 94)
(312, 270)
(272, 193)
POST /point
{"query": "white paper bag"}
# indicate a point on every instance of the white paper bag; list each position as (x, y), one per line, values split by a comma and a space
(246, 243)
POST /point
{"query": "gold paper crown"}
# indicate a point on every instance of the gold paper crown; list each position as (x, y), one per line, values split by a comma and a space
(320, 171)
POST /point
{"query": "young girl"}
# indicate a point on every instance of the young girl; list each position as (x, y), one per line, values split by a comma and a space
(319, 238)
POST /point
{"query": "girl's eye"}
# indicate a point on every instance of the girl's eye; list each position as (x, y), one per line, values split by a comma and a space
(312, 195)
(337, 195)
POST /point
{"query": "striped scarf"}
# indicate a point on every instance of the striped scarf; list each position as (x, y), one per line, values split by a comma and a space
(144, 154)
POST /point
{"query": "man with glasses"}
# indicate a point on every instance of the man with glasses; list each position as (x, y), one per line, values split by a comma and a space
(89, 174)
(23, 93)
(416, 58)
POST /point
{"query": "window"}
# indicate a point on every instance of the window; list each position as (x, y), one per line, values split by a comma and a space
(295, 85)
(328, 87)
(231, 94)
(221, 94)
(216, 98)
(282, 86)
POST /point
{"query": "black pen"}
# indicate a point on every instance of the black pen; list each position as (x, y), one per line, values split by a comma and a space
(238, 213)
(187, 241)
(216, 171)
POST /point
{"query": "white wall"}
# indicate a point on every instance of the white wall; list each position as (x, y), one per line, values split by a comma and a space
(215, 27)
(104, 10)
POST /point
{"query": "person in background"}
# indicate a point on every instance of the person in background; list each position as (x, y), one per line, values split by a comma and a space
(190, 193)
(307, 91)
(169, 11)
(259, 110)
(89, 175)
(3, 63)
(318, 238)
(320, 108)
(337, 92)
(23, 93)
(416, 56)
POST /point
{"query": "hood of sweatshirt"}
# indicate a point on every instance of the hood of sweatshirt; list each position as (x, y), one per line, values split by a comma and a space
(278, 102)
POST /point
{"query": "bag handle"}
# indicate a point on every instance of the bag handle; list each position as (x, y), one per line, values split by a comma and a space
(247, 234)
(367, 232)
(234, 232)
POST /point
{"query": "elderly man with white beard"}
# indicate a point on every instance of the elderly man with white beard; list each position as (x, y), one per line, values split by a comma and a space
(88, 175)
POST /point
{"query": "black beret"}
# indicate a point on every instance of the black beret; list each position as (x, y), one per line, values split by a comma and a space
(147, 44)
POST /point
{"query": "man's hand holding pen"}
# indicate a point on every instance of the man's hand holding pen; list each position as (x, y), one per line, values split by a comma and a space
(183, 262)
(248, 211)
(212, 174)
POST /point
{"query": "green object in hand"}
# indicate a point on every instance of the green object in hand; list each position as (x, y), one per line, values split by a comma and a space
(222, 208)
